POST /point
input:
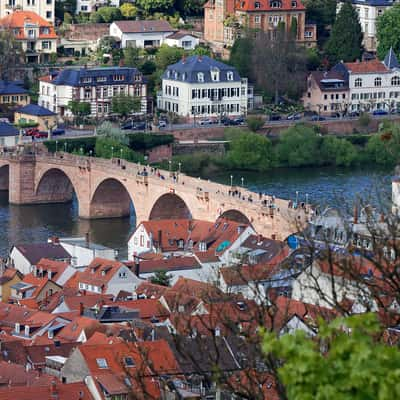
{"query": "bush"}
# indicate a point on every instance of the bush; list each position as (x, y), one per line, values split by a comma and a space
(73, 145)
(364, 120)
(145, 141)
(24, 125)
(255, 123)
(108, 148)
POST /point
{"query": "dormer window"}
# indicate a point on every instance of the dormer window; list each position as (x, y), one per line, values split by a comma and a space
(102, 363)
(184, 76)
(275, 4)
(242, 4)
(176, 75)
(257, 4)
(86, 80)
(101, 79)
(294, 4)
(200, 76)
(118, 78)
(215, 74)
(229, 76)
(168, 74)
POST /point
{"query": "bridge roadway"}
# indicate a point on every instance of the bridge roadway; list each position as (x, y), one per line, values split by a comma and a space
(108, 188)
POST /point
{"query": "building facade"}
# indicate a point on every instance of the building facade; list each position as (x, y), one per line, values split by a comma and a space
(36, 35)
(96, 86)
(200, 86)
(89, 6)
(142, 34)
(356, 87)
(43, 8)
(13, 93)
(225, 19)
(369, 11)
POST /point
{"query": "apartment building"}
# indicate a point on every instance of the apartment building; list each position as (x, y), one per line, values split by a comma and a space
(36, 35)
(201, 86)
(96, 86)
(43, 8)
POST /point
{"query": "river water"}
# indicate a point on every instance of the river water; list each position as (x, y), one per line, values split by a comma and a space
(324, 186)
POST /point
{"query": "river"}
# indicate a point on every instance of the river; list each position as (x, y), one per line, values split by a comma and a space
(324, 186)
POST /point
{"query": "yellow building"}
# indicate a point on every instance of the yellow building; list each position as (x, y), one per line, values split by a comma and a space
(32, 113)
(12, 93)
(9, 277)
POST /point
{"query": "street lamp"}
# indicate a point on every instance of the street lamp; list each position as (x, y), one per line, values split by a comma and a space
(297, 197)
(231, 180)
(90, 153)
(179, 167)
(81, 150)
(65, 147)
(112, 151)
(56, 145)
(242, 179)
(121, 150)
(170, 167)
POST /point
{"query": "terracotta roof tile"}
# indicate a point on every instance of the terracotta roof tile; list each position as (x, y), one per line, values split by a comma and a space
(148, 308)
(367, 67)
(265, 5)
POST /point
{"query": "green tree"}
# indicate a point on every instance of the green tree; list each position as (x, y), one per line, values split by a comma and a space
(131, 56)
(255, 122)
(250, 151)
(150, 6)
(64, 7)
(106, 14)
(161, 278)
(335, 151)
(293, 27)
(148, 67)
(128, 10)
(79, 109)
(384, 148)
(241, 54)
(125, 105)
(11, 53)
(345, 42)
(167, 55)
(298, 146)
(344, 361)
(108, 147)
(388, 31)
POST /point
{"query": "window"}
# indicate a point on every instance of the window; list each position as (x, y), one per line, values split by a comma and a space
(378, 81)
(200, 76)
(257, 4)
(102, 363)
(229, 76)
(275, 4)
(294, 4)
(101, 79)
(129, 362)
(358, 82)
(122, 274)
(395, 81)
(257, 19)
(46, 45)
(118, 78)
(48, 14)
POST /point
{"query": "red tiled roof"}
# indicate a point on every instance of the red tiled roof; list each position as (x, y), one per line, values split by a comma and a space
(148, 308)
(177, 263)
(201, 290)
(366, 67)
(150, 290)
(266, 5)
(64, 391)
(73, 330)
(17, 19)
(16, 375)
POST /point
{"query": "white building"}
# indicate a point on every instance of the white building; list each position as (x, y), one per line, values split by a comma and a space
(141, 34)
(96, 86)
(368, 12)
(83, 252)
(182, 39)
(89, 6)
(373, 85)
(202, 86)
(43, 8)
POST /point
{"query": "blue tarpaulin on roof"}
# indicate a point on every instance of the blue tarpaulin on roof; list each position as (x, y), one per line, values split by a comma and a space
(223, 245)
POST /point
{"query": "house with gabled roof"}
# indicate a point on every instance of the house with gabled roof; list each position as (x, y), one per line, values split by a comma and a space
(107, 277)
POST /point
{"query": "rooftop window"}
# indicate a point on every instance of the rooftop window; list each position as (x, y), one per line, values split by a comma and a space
(102, 363)
(129, 362)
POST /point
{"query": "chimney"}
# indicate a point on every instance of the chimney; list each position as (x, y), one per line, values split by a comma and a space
(355, 214)
(137, 266)
(160, 239)
(183, 59)
(87, 239)
(81, 308)
(273, 236)
(53, 389)
(259, 238)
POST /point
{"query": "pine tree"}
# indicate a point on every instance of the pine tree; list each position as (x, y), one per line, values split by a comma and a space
(345, 42)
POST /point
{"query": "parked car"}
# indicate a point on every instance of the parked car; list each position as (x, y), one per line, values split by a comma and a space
(204, 122)
(294, 117)
(58, 131)
(134, 126)
(353, 114)
(274, 117)
(318, 118)
(40, 135)
(31, 131)
(380, 112)
(162, 123)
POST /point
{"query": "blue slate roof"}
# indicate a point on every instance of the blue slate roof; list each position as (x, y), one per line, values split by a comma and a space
(10, 87)
(96, 76)
(187, 70)
(391, 60)
(34, 109)
(7, 130)
(375, 3)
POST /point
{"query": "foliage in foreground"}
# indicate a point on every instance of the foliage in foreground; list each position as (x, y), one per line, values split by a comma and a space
(344, 362)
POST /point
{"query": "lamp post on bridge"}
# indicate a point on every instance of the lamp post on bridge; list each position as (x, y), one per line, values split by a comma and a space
(56, 146)
(179, 167)
(170, 167)
(65, 147)
(297, 198)
(242, 179)
(231, 180)
(112, 152)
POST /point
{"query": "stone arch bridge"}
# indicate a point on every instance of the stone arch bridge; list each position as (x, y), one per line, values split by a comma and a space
(107, 188)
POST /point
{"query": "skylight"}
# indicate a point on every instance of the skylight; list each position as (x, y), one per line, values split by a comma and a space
(101, 363)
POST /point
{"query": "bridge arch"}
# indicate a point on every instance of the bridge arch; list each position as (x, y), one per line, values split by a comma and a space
(55, 186)
(170, 206)
(5, 177)
(111, 199)
(235, 215)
